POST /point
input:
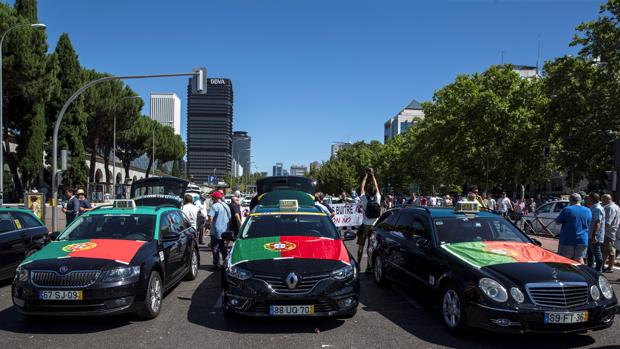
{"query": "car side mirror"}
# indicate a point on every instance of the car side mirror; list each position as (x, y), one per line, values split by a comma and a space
(423, 243)
(228, 236)
(171, 236)
(53, 236)
(349, 235)
(537, 242)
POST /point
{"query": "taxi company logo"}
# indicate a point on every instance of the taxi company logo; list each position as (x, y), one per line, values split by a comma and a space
(291, 280)
(280, 246)
(79, 247)
(63, 269)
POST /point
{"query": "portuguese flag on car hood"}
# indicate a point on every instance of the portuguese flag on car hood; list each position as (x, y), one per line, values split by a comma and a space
(282, 247)
(121, 251)
(487, 253)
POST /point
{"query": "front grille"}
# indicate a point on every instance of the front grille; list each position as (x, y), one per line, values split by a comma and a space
(305, 284)
(50, 278)
(558, 294)
(320, 306)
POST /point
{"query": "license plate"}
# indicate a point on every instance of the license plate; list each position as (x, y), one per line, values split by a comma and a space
(61, 295)
(565, 317)
(291, 310)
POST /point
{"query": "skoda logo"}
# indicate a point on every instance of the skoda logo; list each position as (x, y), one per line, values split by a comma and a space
(63, 269)
(291, 280)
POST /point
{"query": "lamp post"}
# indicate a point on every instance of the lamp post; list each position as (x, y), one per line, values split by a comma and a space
(37, 26)
(199, 74)
(114, 145)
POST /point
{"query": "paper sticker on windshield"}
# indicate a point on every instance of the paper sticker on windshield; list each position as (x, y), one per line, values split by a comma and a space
(18, 224)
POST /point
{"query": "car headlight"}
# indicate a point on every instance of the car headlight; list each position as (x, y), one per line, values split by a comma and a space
(344, 273)
(605, 287)
(595, 293)
(238, 273)
(122, 274)
(22, 274)
(493, 290)
(517, 295)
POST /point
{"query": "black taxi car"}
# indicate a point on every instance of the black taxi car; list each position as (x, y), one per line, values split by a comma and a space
(487, 273)
(290, 260)
(21, 235)
(110, 260)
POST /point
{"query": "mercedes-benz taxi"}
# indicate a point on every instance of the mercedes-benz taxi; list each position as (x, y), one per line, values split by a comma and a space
(110, 260)
(487, 273)
(289, 259)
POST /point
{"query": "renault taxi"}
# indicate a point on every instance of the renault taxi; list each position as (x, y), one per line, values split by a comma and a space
(289, 259)
(110, 260)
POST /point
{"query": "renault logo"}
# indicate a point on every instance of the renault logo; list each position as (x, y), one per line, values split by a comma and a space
(63, 269)
(291, 280)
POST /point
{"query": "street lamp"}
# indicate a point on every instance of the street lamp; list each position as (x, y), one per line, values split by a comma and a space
(114, 145)
(37, 26)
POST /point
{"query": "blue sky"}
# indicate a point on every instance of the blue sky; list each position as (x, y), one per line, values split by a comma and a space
(309, 72)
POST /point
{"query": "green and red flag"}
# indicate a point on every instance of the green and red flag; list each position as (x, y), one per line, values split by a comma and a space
(282, 247)
(487, 253)
(121, 251)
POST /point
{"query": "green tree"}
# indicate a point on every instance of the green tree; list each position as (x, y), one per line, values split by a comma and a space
(134, 141)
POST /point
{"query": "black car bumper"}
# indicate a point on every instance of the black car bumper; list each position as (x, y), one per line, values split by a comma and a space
(96, 301)
(533, 320)
(254, 297)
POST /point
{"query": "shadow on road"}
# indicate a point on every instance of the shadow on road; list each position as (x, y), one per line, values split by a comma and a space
(206, 310)
(420, 316)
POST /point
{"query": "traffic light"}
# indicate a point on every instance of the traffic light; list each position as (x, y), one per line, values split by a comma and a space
(199, 81)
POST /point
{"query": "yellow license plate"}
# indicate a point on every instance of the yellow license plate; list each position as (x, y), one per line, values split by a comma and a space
(61, 295)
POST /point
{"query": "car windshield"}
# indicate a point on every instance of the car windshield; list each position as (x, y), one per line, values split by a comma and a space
(111, 226)
(467, 229)
(289, 224)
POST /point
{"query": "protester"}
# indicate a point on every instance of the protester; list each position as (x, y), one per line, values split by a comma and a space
(575, 220)
(318, 202)
(505, 205)
(190, 210)
(72, 207)
(370, 198)
(388, 203)
(596, 233)
(492, 204)
(519, 209)
(35, 207)
(448, 201)
(423, 200)
(413, 200)
(612, 220)
(219, 219)
(201, 204)
(474, 190)
(85, 205)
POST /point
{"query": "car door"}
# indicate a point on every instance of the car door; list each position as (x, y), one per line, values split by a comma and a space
(420, 250)
(401, 236)
(184, 228)
(12, 248)
(170, 247)
(382, 242)
(32, 231)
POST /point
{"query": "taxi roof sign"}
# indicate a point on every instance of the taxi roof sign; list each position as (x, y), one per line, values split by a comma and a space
(289, 205)
(124, 204)
(467, 207)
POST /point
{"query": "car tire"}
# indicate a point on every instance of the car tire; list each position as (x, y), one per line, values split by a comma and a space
(153, 297)
(452, 309)
(194, 265)
(378, 272)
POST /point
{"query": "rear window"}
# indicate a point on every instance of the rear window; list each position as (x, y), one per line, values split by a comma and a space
(289, 224)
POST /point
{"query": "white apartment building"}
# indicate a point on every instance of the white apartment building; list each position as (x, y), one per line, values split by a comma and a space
(401, 122)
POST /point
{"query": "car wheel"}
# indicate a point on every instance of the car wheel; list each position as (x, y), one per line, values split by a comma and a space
(379, 270)
(452, 309)
(153, 298)
(194, 262)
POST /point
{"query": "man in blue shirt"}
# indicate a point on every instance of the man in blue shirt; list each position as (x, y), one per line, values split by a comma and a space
(219, 218)
(575, 220)
(596, 233)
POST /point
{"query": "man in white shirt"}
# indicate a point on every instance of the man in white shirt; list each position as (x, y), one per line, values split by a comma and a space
(370, 200)
(505, 205)
(190, 210)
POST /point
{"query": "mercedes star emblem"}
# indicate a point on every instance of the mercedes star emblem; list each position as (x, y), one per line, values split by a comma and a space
(291, 280)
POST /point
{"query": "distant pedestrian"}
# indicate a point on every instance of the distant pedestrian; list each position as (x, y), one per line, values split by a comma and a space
(324, 207)
(190, 210)
(612, 220)
(448, 201)
(35, 207)
(596, 233)
(370, 200)
(235, 210)
(473, 190)
(219, 219)
(492, 203)
(72, 207)
(575, 220)
(505, 205)
(423, 200)
(413, 200)
(85, 205)
(201, 203)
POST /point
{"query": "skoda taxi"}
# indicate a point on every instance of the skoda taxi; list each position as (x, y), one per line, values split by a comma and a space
(289, 259)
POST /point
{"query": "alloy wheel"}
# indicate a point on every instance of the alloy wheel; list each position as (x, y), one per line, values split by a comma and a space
(155, 291)
(451, 307)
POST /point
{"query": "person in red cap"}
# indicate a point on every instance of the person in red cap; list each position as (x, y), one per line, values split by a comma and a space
(219, 219)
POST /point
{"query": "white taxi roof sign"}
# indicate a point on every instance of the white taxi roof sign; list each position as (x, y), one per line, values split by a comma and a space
(289, 205)
(467, 207)
(124, 204)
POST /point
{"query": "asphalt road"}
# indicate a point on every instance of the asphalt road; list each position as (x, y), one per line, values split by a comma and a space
(393, 317)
